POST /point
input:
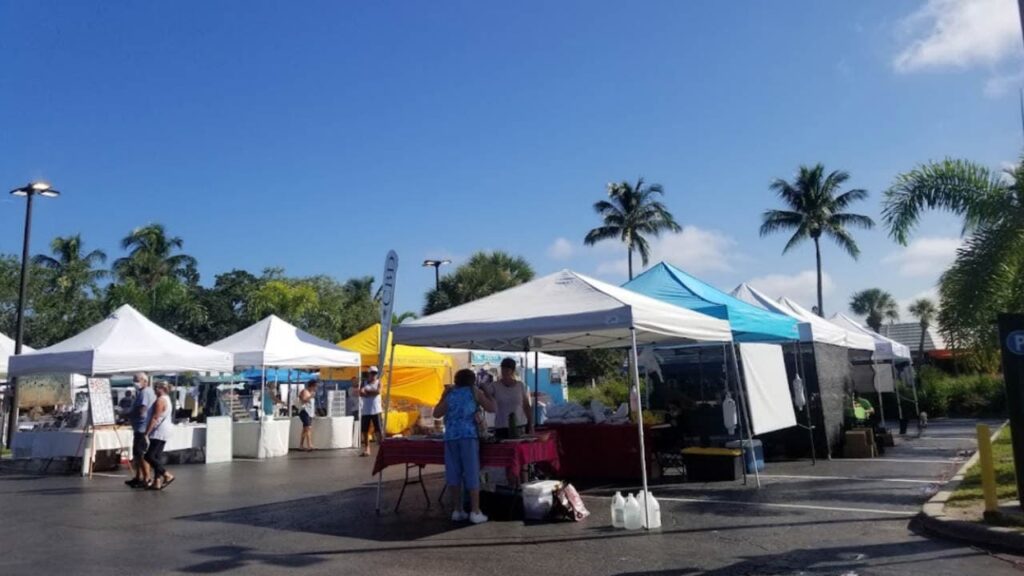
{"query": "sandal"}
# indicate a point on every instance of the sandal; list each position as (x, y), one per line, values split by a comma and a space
(153, 486)
(167, 482)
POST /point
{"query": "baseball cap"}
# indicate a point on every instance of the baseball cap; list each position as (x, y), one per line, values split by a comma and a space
(374, 369)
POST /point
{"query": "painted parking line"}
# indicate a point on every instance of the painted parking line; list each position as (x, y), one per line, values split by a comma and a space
(858, 478)
(898, 460)
(903, 513)
(939, 438)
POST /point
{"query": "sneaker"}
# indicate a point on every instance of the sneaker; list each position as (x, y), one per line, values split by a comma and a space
(459, 516)
(477, 517)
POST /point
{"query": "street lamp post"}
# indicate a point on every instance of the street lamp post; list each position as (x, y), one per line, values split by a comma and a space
(29, 191)
(436, 265)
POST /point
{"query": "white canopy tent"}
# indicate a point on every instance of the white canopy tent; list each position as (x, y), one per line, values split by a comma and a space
(7, 350)
(126, 341)
(274, 342)
(885, 348)
(813, 328)
(565, 311)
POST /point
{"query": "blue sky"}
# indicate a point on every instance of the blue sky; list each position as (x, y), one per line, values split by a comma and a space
(318, 135)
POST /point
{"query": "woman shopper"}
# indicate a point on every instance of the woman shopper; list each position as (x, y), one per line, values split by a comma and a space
(458, 407)
(307, 398)
(159, 431)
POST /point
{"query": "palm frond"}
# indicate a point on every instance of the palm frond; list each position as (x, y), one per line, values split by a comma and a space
(858, 220)
(779, 220)
(844, 240)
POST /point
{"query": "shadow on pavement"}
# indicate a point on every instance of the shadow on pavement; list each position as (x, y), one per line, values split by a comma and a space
(226, 558)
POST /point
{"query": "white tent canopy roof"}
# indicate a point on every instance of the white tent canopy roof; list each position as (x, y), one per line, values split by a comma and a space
(126, 341)
(561, 311)
(885, 348)
(7, 350)
(274, 342)
(813, 328)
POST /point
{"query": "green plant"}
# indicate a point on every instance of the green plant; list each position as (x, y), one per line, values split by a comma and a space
(877, 305)
(941, 394)
(611, 393)
(1006, 477)
(814, 210)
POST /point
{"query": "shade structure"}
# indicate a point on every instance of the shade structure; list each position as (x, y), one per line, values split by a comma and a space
(813, 328)
(125, 341)
(274, 342)
(7, 350)
(749, 323)
(885, 348)
(420, 374)
(562, 311)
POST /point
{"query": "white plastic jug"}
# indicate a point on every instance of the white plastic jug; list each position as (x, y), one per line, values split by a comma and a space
(633, 517)
(652, 521)
(618, 511)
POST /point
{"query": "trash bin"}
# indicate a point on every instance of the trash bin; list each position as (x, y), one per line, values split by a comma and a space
(751, 458)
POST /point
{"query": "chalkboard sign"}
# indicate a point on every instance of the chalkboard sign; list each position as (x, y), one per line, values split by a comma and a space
(101, 406)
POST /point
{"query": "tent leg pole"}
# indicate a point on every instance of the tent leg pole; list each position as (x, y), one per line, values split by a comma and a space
(745, 414)
(807, 402)
(383, 433)
(895, 387)
(635, 374)
(536, 388)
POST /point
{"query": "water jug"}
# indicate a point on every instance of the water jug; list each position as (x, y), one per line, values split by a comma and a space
(633, 518)
(652, 521)
(618, 511)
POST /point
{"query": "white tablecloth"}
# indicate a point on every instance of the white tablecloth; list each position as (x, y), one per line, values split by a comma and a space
(262, 439)
(68, 443)
(328, 433)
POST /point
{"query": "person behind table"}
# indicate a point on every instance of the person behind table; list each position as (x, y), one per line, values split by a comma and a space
(307, 399)
(458, 407)
(138, 415)
(510, 397)
(158, 430)
(372, 408)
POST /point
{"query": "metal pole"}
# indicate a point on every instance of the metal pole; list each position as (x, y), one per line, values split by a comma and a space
(640, 422)
(437, 277)
(19, 331)
(383, 433)
(744, 413)
(896, 388)
(536, 387)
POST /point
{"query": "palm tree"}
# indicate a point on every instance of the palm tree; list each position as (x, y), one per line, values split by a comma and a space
(74, 272)
(151, 257)
(630, 213)
(815, 208)
(924, 310)
(877, 305)
(987, 276)
(482, 275)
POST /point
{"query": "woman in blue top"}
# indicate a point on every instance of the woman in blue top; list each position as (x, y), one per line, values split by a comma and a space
(458, 407)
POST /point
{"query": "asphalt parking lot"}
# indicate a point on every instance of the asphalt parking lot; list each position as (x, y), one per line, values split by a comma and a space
(315, 514)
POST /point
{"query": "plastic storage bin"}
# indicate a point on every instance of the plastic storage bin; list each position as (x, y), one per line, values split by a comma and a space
(538, 498)
(750, 457)
(712, 464)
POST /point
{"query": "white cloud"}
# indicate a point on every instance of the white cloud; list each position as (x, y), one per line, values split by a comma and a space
(801, 287)
(925, 256)
(694, 249)
(561, 249)
(931, 294)
(958, 34)
(1001, 85)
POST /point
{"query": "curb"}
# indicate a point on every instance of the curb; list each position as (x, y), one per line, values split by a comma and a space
(933, 518)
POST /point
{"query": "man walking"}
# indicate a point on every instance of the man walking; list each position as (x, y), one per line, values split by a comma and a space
(372, 408)
(137, 414)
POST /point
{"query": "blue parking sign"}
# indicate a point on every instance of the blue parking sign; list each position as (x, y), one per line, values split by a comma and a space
(1015, 342)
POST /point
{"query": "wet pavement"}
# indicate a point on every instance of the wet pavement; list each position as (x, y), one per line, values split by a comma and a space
(315, 514)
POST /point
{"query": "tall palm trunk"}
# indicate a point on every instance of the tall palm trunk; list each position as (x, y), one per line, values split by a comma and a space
(630, 262)
(920, 348)
(817, 256)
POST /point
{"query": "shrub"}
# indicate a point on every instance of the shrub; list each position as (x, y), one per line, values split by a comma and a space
(941, 394)
(610, 392)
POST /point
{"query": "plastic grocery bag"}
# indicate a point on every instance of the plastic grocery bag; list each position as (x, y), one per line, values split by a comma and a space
(569, 505)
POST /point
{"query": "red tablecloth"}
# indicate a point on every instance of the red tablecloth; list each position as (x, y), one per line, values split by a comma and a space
(511, 456)
(600, 451)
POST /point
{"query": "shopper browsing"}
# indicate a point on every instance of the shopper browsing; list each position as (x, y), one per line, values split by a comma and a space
(159, 430)
(370, 394)
(138, 415)
(458, 407)
(512, 403)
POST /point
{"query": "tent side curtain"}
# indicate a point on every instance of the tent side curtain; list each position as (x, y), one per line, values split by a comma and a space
(764, 376)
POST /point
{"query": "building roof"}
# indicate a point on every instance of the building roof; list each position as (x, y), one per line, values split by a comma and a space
(909, 334)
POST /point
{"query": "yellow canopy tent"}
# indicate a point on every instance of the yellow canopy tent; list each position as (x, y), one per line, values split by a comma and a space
(420, 374)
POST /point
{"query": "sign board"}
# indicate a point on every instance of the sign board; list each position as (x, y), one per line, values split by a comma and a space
(1011, 337)
(387, 304)
(101, 406)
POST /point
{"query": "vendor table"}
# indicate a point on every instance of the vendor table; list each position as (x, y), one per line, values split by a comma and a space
(329, 433)
(600, 451)
(511, 455)
(69, 443)
(267, 438)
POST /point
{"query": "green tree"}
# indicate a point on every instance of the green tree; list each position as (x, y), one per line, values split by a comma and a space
(152, 257)
(485, 273)
(924, 310)
(877, 305)
(987, 276)
(399, 318)
(630, 214)
(289, 300)
(68, 302)
(816, 208)
(227, 305)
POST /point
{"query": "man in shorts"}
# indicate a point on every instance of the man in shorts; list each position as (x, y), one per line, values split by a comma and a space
(138, 415)
(369, 392)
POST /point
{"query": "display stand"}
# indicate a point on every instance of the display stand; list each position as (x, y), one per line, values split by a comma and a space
(101, 417)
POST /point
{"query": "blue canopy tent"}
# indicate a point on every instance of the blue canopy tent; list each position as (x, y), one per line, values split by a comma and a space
(748, 322)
